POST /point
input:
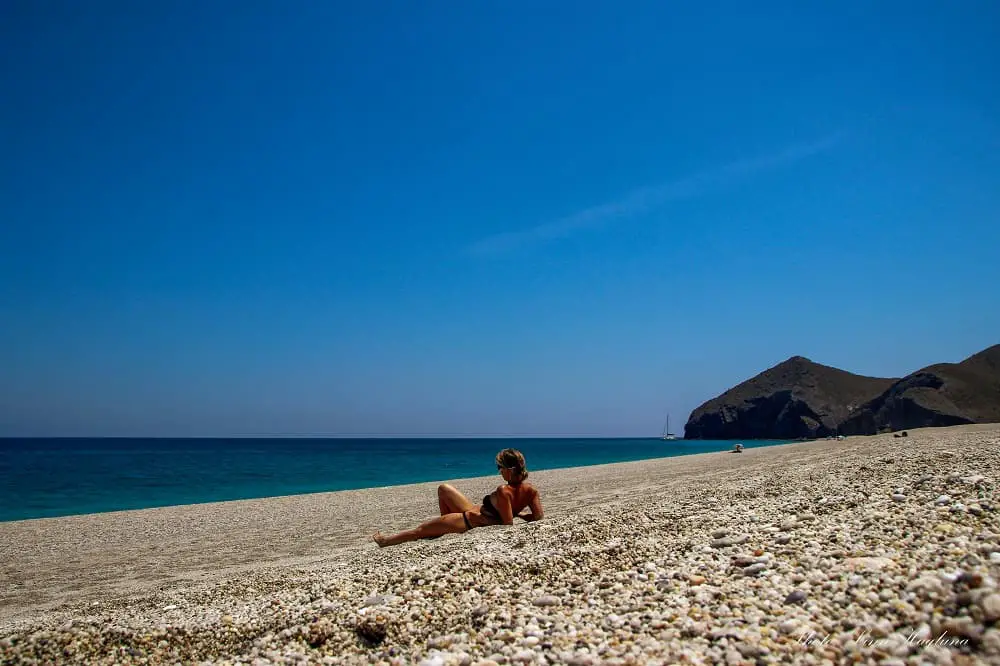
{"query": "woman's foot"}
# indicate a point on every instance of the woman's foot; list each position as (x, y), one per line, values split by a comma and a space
(380, 539)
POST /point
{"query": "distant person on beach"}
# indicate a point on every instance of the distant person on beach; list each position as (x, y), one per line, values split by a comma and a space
(738, 449)
(500, 507)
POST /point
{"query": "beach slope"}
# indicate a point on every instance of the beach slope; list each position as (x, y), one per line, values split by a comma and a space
(868, 550)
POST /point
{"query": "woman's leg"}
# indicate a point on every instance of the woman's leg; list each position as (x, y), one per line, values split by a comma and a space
(453, 523)
(450, 500)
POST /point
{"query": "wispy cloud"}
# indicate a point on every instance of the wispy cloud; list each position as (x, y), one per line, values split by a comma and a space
(647, 198)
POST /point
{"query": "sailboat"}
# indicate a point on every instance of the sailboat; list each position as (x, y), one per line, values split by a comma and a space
(666, 430)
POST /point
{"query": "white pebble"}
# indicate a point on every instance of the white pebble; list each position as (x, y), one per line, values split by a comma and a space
(991, 607)
(949, 576)
(547, 600)
(788, 627)
(436, 660)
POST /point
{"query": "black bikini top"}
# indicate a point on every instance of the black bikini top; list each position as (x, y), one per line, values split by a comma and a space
(489, 509)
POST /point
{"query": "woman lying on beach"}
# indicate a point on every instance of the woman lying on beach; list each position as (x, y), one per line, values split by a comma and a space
(500, 507)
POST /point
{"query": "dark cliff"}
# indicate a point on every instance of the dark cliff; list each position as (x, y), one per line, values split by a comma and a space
(796, 398)
(938, 395)
(799, 398)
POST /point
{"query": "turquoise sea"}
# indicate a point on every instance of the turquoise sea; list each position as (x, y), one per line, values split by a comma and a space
(58, 477)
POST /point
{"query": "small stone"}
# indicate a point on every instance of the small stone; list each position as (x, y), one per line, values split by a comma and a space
(782, 539)
(719, 534)
(924, 583)
(972, 580)
(949, 576)
(882, 628)
(725, 542)
(990, 605)
(170, 607)
(942, 500)
(696, 580)
(754, 569)
(898, 497)
(436, 660)
(796, 597)
(963, 627)
(440, 642)
(580, 660)
(378, 600)
(788, 627)
(546, 600)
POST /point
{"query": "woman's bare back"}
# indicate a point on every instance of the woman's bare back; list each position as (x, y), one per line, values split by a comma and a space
(511, 500)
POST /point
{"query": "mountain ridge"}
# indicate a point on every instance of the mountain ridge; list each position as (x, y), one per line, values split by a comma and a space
(799, 398)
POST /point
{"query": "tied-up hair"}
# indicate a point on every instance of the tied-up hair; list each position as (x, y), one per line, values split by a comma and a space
(513, 460)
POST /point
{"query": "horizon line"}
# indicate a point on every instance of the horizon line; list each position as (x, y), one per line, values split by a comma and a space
(340, 436)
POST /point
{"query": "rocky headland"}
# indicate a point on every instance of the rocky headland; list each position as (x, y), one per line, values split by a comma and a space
(799, 398)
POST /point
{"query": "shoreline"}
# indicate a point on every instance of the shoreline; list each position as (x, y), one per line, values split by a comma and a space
(630, 541)
(312, 491)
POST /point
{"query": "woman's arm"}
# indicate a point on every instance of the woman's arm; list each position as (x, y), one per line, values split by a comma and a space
(535, 505)
(537, 513)
(503, 506)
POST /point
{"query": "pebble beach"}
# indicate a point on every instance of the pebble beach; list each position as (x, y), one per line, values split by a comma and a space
(870, 550)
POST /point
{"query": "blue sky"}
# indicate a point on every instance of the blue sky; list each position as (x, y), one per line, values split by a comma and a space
(235, 218)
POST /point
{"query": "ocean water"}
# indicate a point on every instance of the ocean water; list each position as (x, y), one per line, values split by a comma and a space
(58, 477)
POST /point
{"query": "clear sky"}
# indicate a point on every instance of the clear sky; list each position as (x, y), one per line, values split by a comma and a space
(228, 218)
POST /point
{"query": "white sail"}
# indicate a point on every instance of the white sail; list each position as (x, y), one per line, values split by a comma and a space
(666, 430)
